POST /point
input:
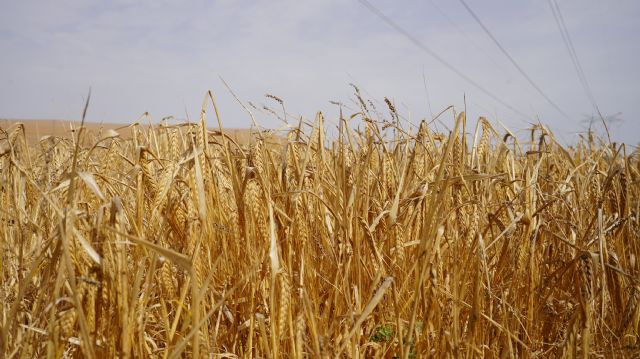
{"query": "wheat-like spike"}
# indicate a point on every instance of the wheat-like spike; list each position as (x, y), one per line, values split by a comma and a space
(221, 172)
(586, 275)
(325, 352)
(372, 243)
(624, 190)
(359, 97)
(595, 190)
(163, 188)
(175, 149)
(568, 349)
(457, 155)
(631, 309)
(89, 304)
(284, 302)
(198, 261)
(388, 174)
(254, 204)
(348, 164)
(399, 235)
(432, 303)
(300, 219)
(474, 223)
(167, 280)
(300, 328)
(67, 322)
(289, 178)
(256, 157)
(419, 161)
(483, 145)
(148, 177)
(16, 132)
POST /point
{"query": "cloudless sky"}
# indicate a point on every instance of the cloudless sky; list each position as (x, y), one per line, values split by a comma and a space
(162, 57)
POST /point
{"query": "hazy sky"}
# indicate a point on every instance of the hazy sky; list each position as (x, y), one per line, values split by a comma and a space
(162, 57)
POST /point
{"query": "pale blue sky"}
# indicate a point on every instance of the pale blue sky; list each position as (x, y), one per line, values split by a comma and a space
(162, 57)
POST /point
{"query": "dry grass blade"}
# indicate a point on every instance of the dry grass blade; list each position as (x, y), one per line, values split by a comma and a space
(373, 302)
(177, 258)
(91, 183)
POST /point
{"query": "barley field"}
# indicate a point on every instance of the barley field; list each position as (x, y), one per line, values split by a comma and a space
(365, 238)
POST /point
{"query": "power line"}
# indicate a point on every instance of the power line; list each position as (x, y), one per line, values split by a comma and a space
(512, 60)
(464, 34)
(566, 38)
(437, 57)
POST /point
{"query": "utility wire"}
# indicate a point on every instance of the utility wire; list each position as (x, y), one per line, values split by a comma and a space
(562, 27)
(469, 40)
(512, 60)
(437, 57)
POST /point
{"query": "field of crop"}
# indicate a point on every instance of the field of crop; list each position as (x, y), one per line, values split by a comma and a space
(36, 129)
(379, 240)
